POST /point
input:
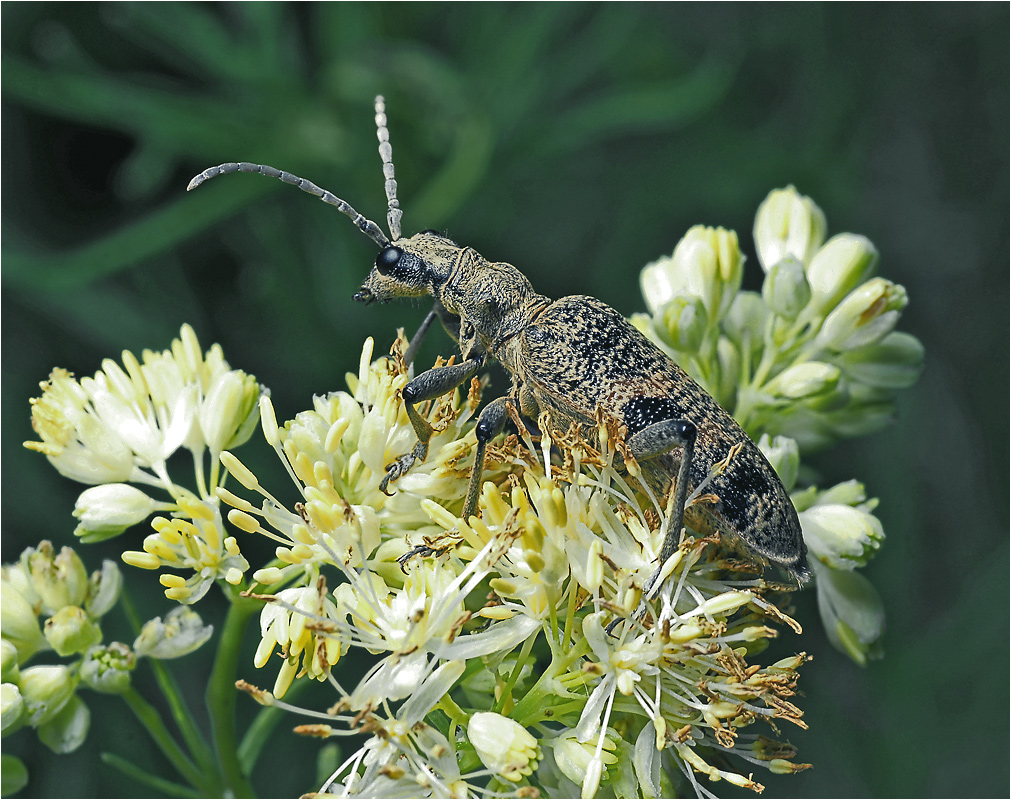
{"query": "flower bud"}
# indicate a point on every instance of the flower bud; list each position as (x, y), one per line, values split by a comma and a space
(46, 689)
(867, 314)
(229, 411)
(848, 493)
(108, 510)
(861, 416)
(575, 759)
(503, 745)
(809, 429)
(103, 589)
(842, 264)
(894, 362)
(66, 730)
(12, 708)
(60, 580)
(729, 377)
(851, 611)
(787, 225)
(107, 669)
(19, 621)
(14, 776)
(803, 381)
(9, 671)
(745, 321)
(681, 323)
(181, 633)
(706, 264)
(784, 455)
(843, 537)
(70, 631)
(658, 283)
(785, 289)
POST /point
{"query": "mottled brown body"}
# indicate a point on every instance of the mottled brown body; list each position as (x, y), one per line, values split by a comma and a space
(573, 358)
(580, 354)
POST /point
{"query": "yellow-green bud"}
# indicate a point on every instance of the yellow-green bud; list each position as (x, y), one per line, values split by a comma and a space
(841, 536)
(13, 775)
(46, 689)
(503, 745)
(807, 380)
(18, 617)
(181, 633)
(895, 362)
(575, 758)
(787, 225)
(867, 314)
(70, 631)
(745, 322)
(784, 455)
(60, 579)
(706, 264)
(107, 669)
(785, 289)
(9, 671)
(847, 493)
(67, 730)
(681, 323)
(12, 708)
(229, 412)
(851, 611)
(729, 359)
(103, 589)
(842, 264)
(108, 510)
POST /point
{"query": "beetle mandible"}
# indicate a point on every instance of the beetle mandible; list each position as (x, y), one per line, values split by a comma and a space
(572, 358)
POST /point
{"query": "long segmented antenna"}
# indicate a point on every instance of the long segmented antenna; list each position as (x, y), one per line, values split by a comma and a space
(393, 213)
(367, 226)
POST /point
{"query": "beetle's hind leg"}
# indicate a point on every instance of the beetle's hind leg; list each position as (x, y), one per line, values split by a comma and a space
(652, 440)
(656, 440)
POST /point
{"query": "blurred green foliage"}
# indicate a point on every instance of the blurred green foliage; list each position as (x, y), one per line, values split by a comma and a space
(578, 142)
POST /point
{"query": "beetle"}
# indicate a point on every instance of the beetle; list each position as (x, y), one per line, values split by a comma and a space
(572, 358)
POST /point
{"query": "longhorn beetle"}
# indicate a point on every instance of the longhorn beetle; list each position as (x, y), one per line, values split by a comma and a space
(572, 358)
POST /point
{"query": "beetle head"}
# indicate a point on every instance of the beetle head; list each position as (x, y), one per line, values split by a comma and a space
(410, 267)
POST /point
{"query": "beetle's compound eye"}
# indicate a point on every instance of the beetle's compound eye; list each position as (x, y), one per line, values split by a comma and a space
(388, 259)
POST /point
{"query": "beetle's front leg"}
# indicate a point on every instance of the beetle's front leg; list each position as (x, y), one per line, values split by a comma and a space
(426, 386)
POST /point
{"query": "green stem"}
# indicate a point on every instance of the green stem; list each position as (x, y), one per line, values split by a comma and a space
(160, 785)
(570, 615)
(221, 695)
(507, 691)
(191, 734)
(152, 722)
(456, 714)
(532, 705)
(195, 741)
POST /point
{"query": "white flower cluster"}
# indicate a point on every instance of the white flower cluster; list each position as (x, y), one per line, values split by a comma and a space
(814, 356)
(812, 359)
(121, 426)
(491, 666)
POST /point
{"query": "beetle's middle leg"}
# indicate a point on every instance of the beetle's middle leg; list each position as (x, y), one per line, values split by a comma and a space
(427, 386)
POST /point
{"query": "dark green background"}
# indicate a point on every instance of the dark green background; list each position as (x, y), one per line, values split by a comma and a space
(578, 142)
